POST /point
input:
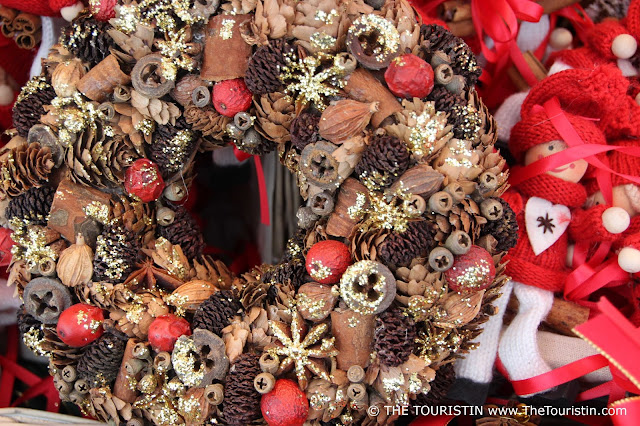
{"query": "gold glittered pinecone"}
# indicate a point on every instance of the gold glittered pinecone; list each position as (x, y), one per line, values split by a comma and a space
(117, 250)
(216, 312)
(241, 404)
(183, 231)
(99, 160)
(102, 358)
(207, 121)
(25, 167)
(400, 248)
(135, 215)
(32, 206)
(172, 146)
(265, 66)
(88, 39)
(253, 291)
(274, 114)
(394, 337)
(444, 99)
(292, 271)
(416, 285)
(29, 106)
(384, 159)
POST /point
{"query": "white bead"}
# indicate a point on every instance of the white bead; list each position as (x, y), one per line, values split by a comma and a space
(6, 95)
(615, 220)
(624, 46)
(69, 13)
(629, 260)
(560, 38)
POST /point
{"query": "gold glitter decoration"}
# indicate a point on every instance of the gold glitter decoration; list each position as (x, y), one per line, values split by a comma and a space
(31, 246)
(98, 211)
(34, 340)
(226, 30)
(388, 41)
(175, 53)
(390, 211)
(184, 359)
(116, 265)
(436, 343)
(35, 85)
(302, 352)
(74, 114)
(428, 126)
(322, 41)
(474, 276)
(325, 17)
(319, 271)
(308, 82)
(173, 257)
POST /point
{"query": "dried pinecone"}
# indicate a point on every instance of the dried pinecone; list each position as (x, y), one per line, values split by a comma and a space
(215, 312)
(117, 250)
(207, 120)
(444, 99)
(385, 158)
(304, 130)
(435, 37)
(172, 146)
(87, 39)
(135, 215)
(254, 291)
(466, 122)
(293, 271)
(26, 322)
(400, 249)
(241, 403)
(445, 376)
(185, 232)
(505, 229)
(394, 337)
(25, 167)
(102, 358)
(274, 114)
(28, 109)
(263, 72)
(32, 206)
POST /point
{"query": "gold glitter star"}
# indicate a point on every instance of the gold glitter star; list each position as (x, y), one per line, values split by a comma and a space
(307, 82)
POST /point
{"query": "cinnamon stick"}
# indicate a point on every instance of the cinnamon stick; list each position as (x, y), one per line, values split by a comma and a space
(354, 337)
(536, 67)
(121, 388)
(223, 40)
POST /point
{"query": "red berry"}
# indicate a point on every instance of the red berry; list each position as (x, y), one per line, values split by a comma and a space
(103, 10)
(6, 243)
(327, 261)
(143, 179)
(473, 271)
(231, 97)
(80, 324)
(408, 76)
(165, 330)
(285, 405)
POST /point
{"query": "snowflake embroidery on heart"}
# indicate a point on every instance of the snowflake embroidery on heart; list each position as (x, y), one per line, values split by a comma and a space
(546, 223)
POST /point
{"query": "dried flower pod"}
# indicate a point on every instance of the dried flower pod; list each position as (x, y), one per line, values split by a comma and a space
(264, 382)
(355, 374)
(345, 119)
(165, 216)
(421, 180)
(212, 351)
(102, 79)
(214, 394)
(373, 41)
(458, 242)
(121, 94)
(456, 191)
(491, 209)
(440, 259)
(315, 301)
(368, 287)
(321, 203)
(75, 266)
(201, 96)
(269, 363)
(460, 308)
(66, 76)
(443, 74)
(319, 166)
(175, 191)
(148, 79)
(45, 299)
(191, 294)
(183, 90)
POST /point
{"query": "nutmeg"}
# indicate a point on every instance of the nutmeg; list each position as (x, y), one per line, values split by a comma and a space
(66, 76)
(75, 266)
(315, 301)
(345, 119)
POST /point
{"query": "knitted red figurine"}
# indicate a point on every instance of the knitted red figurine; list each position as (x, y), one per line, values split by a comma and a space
(68, 9)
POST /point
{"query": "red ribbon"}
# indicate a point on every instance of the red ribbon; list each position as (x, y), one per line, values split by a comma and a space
(262, 186)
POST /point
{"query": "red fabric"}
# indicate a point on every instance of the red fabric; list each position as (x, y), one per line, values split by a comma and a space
(587, 225)
(624, 163)
(16, 62)
(39, 7)
(548, 269)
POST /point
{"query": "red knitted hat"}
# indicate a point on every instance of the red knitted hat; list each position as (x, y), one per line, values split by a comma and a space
(535, 128)
(632, 20)
(624, 163)
(39, 7)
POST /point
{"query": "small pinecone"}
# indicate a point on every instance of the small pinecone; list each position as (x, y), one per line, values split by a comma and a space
(214, 313)
(466, 122)
(241, 403)
(172, 146)
(438, 38)
(263, 72)
(207, 121)
(394, 337)
(102, 358)
(32, 206)
(117, 250)
(445, 376)
(185, 232)
(444, 99)
(293, 271)
(28, 110)
(386, 157)
(400, 249)
(505, 229)
(88, 39)
(304, 130)
(26, 322)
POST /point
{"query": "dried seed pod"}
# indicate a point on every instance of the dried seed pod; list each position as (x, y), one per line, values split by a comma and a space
(141, 351)
(162, 361)
(264, 382)
(81, 386)
(234, 131)
(192, 294)
(47, 267)
(147, 77)
(321, 203)
(368, 287)
(373, 41)
(487, 182)
(456, 85)
(75, 266)
(319, 166)
(315, 301)
(149, 382)
(135, 421)
(76, 397)
(243, 121)
(45, 299)
(443, 74)
(121, 94)
(306, 217)
(356, 392)
(175, 191)
(456, 191)
(440, 202)
(183, 90)
(439, 58)
(491, 209)
(355, 374)
(108, 110)
(214, 394)
(345, 119)
(201, 96)
(63, 387)
(440, 259)
(212, 351)
(165, 216)
(269, 363)
(66, 76)
(421, 180)
(461, 309)
(417, 204)
(346, 62)
(458, 242)
(69, 373)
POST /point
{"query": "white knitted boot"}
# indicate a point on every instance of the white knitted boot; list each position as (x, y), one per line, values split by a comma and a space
(50, 33)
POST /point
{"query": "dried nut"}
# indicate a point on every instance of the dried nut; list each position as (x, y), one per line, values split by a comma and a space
(162, 361)
(175, 191)
(47, 267)
(81, 386)
(233, 131)
(66, 76)
(214, 394)
(417, 204)
(165, 216)
(346, 62)
(460, 309)
(147, 77)
(243, 121)
(440, 202)
(421, 180)
(43, 134)
(251, 139)
(443, 74)
(491, 209)
(211, 349)
(356, 391)
(264, 382)
(456, 191)
(61, 386)
(306, 217)
(76, 397)
(45, 299)
(373, 41)
(487, 182)
(439, 58)
(192, 294)
(345, 119)
(368, 287)
(456, 84)
(69, 374)
(319, 166)
(458, 242)
(269, 363)
(315, 301)
(355, 374)
(440, 259)
(75, 266)
(201, 96)
(321, 203)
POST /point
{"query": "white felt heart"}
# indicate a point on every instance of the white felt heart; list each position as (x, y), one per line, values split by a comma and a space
(545, 223)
